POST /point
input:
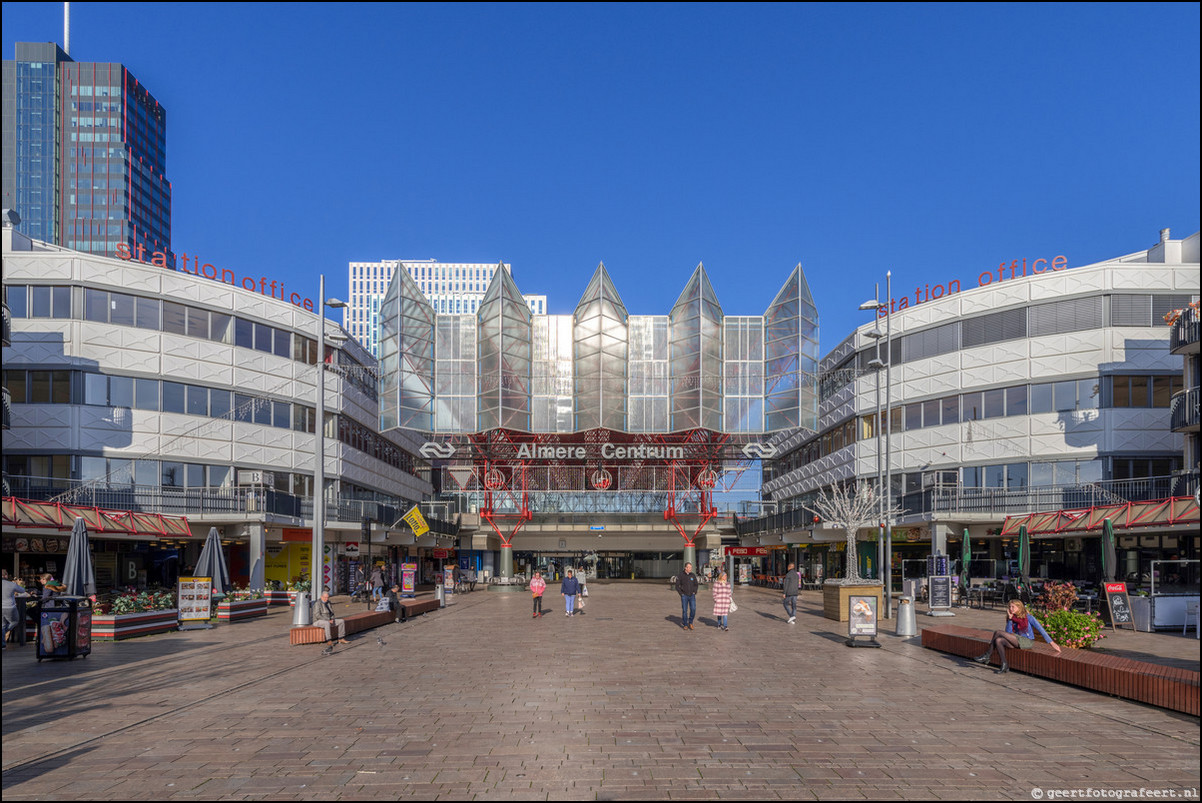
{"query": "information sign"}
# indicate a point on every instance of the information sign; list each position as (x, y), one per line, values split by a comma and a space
(408, 579)
(194, 599)
(861, 616)
(1119, 605)
(941, 592)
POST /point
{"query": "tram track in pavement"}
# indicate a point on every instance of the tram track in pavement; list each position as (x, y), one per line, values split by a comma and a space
(109, 673)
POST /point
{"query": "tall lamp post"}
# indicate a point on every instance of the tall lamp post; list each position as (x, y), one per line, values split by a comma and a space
(885, 544)
(317, 576)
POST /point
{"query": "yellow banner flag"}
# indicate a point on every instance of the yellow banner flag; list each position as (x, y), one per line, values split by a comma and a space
(417, 521)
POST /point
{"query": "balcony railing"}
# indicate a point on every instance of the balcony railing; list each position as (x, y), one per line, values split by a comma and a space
(200, 502)
(1185, 330)
(992, 501)
(1183, 411)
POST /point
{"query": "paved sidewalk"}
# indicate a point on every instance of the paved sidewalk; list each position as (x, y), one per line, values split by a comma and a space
(480, 701)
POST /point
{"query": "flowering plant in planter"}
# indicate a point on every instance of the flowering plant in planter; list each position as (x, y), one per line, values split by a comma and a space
(238, 593)
(133, 601)
(1073, 628)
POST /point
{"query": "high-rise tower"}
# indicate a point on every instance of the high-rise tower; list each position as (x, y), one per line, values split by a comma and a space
(85, 154)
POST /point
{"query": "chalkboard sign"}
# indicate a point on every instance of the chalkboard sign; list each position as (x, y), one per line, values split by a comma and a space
(941, 592)
(1119, 605)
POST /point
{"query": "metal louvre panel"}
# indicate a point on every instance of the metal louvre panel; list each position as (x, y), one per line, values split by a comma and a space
(1164, 304)
(1131, 309)
(997, 327)
(1069, 315)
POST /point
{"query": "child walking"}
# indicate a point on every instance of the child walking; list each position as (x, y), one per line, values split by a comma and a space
(537, 586)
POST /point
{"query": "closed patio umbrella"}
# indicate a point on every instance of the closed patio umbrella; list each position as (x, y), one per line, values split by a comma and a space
(1109, 556)
(212, 563)
(78, 576)
(1024, 561)
(965, 558)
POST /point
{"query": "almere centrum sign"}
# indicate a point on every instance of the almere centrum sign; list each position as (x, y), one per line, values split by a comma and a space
(193, 265)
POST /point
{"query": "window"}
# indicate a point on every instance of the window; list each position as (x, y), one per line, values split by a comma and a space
(242, 407)
(930, 413)
(995, 403)
(283, 343)
(219, 403)
(146, 394)
(95, 305)
(971, 408)
(950, 409)
(913, 416)
(95, 389)
(282, 414)
(121, 309)
(173, 397)
(18, 300)
(175, 318)
(148, 313)
(198, 400)
(1041, 398)
(1016, 400)
(263, 337)
(219, 327)
(244, 333)
(121, 391)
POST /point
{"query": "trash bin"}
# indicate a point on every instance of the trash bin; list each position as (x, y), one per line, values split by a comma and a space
(907, 623)
(302, 610)
(64, 628)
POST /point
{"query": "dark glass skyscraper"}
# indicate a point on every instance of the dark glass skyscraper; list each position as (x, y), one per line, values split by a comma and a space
(85, 154)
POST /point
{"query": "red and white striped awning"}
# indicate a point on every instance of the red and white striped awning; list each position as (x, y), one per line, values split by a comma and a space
(25, 513)
(1178, 511)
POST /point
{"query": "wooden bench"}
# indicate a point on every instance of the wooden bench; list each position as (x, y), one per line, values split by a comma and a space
(413, 607)
(355, 623)
(1162, 686)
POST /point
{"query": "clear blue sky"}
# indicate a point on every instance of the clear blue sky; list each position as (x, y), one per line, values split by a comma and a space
(933, 140)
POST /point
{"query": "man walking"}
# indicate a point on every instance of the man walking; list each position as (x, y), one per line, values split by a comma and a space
(323, 617)
(686, 587)
(792, 587)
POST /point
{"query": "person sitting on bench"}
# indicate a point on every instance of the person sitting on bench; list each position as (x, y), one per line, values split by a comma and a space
(323, 617)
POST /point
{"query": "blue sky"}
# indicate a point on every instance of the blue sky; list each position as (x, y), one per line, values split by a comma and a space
(931, 140)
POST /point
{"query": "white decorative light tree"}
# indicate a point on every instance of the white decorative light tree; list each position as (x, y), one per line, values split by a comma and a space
(853, 506)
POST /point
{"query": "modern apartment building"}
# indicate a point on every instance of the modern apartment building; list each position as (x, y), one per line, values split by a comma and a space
(452, 288)
(85, 154)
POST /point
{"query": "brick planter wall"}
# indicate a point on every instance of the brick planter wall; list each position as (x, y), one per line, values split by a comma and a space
(115, 627)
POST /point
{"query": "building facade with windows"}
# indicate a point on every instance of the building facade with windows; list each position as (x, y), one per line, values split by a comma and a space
(1043, 391)
(85, 154)
(452, 288)
(135, 387)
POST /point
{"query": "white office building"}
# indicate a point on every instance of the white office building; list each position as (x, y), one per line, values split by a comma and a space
(452, 288)
(1033, 386)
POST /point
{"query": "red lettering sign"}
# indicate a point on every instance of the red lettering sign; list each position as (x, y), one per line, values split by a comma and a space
(1014, 270)
(747, 550)
(193, 265)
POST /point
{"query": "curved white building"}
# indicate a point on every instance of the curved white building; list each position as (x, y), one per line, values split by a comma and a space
(192, 392)
(1042, 387)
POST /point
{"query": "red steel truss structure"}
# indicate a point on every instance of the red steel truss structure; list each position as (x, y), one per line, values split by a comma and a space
(680, 471)
(1175, 511)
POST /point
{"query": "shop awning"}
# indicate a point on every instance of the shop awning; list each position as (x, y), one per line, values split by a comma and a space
(1177, 511)
(57, 516)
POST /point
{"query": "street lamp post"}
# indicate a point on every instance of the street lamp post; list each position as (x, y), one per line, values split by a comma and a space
(885, 544)
(317, 574)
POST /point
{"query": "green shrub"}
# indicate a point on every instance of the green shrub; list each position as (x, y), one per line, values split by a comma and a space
(1073, 628)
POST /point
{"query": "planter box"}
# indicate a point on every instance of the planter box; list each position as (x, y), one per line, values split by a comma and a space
(280, 597)
(237, 610)
(115, 627)
(834, 598)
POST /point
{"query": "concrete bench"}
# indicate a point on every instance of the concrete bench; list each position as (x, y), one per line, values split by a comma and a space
(1161, 686)
(355, 623)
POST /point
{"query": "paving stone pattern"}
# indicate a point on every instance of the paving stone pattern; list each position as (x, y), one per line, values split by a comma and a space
(481, 702)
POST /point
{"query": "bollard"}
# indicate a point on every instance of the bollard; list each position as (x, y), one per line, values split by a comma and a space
(300, 610)
(438, 595)
(907, 624)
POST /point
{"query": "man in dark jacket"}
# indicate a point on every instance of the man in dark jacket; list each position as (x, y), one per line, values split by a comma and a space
(792, 586)
(686, 587)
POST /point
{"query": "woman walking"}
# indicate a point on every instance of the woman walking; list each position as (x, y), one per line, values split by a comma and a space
(1020, 631)
(722, 598)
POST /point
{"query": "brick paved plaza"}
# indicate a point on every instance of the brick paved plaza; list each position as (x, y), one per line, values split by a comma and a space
(479, 701)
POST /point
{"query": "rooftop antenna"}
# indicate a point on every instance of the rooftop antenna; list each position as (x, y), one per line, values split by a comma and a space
(67, 28)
